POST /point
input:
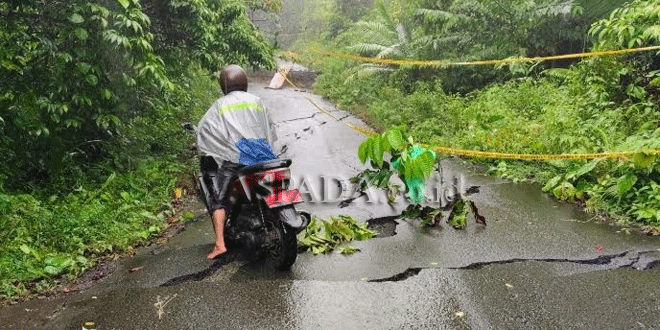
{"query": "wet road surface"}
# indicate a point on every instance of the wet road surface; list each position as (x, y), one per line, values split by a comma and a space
(539, 263)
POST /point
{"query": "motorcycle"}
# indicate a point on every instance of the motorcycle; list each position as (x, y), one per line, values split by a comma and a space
(263, 220)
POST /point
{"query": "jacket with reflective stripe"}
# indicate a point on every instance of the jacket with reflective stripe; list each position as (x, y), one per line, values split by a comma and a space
(237, 128)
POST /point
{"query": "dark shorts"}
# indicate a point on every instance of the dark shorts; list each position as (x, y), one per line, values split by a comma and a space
(218, 181)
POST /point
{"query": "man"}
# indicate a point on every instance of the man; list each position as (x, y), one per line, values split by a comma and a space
(235, 132)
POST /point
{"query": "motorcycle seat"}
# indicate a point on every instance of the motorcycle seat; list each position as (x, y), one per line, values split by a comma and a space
(265, 166)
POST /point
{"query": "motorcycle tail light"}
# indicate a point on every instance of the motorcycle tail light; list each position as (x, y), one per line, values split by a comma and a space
(283, 198)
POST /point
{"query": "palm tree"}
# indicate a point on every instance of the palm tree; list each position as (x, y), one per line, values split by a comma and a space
(384, 37)
(462, 30)
(486, 29)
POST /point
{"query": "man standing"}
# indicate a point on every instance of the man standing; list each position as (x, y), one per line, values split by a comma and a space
(235, 132)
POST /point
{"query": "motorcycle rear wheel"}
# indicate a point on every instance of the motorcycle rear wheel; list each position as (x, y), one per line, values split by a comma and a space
(284, 250)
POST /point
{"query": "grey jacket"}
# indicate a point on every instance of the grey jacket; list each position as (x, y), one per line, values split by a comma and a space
(237, 128)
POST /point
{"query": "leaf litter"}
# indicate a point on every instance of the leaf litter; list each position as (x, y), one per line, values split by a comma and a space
(323, 236)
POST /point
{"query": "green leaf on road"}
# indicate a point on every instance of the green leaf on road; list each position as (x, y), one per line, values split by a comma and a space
(189, 215)
(323, 236)
(347, 250)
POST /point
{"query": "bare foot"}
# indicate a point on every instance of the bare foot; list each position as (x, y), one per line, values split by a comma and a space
(217, 251)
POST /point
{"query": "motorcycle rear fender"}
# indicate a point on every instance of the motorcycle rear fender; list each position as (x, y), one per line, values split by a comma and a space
(291, 218)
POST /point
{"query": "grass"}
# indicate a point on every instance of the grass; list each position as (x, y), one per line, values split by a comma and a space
(53, 237)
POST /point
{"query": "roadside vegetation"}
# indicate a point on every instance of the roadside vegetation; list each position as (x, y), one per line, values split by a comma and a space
(92, 97)
(598, 104)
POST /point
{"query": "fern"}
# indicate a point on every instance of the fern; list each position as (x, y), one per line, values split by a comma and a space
(375, 30)
(385, 15)
(393, 51)
(367, 49)
(445, 19)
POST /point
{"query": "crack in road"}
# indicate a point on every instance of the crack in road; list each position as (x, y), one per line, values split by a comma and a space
(224, 259)
(652, 265)
(283, 151)
(414, 271)
(600, 260)
(385, 226)
(298, 134)
(297, 119)
(410, 272)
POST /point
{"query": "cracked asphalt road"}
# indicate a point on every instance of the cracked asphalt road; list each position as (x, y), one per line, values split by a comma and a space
(539, 264)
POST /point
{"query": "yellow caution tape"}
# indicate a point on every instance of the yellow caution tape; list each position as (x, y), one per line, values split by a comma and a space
(356, 128)
(490, 154)
(499, 155)
(439, 63)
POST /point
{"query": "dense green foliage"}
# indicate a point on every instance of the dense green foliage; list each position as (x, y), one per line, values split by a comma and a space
(76, 73)
(92, 96)
(595, 105)
(463, 30)
(265, 5)
(325, 19)
(68, 71)
(599, 9)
